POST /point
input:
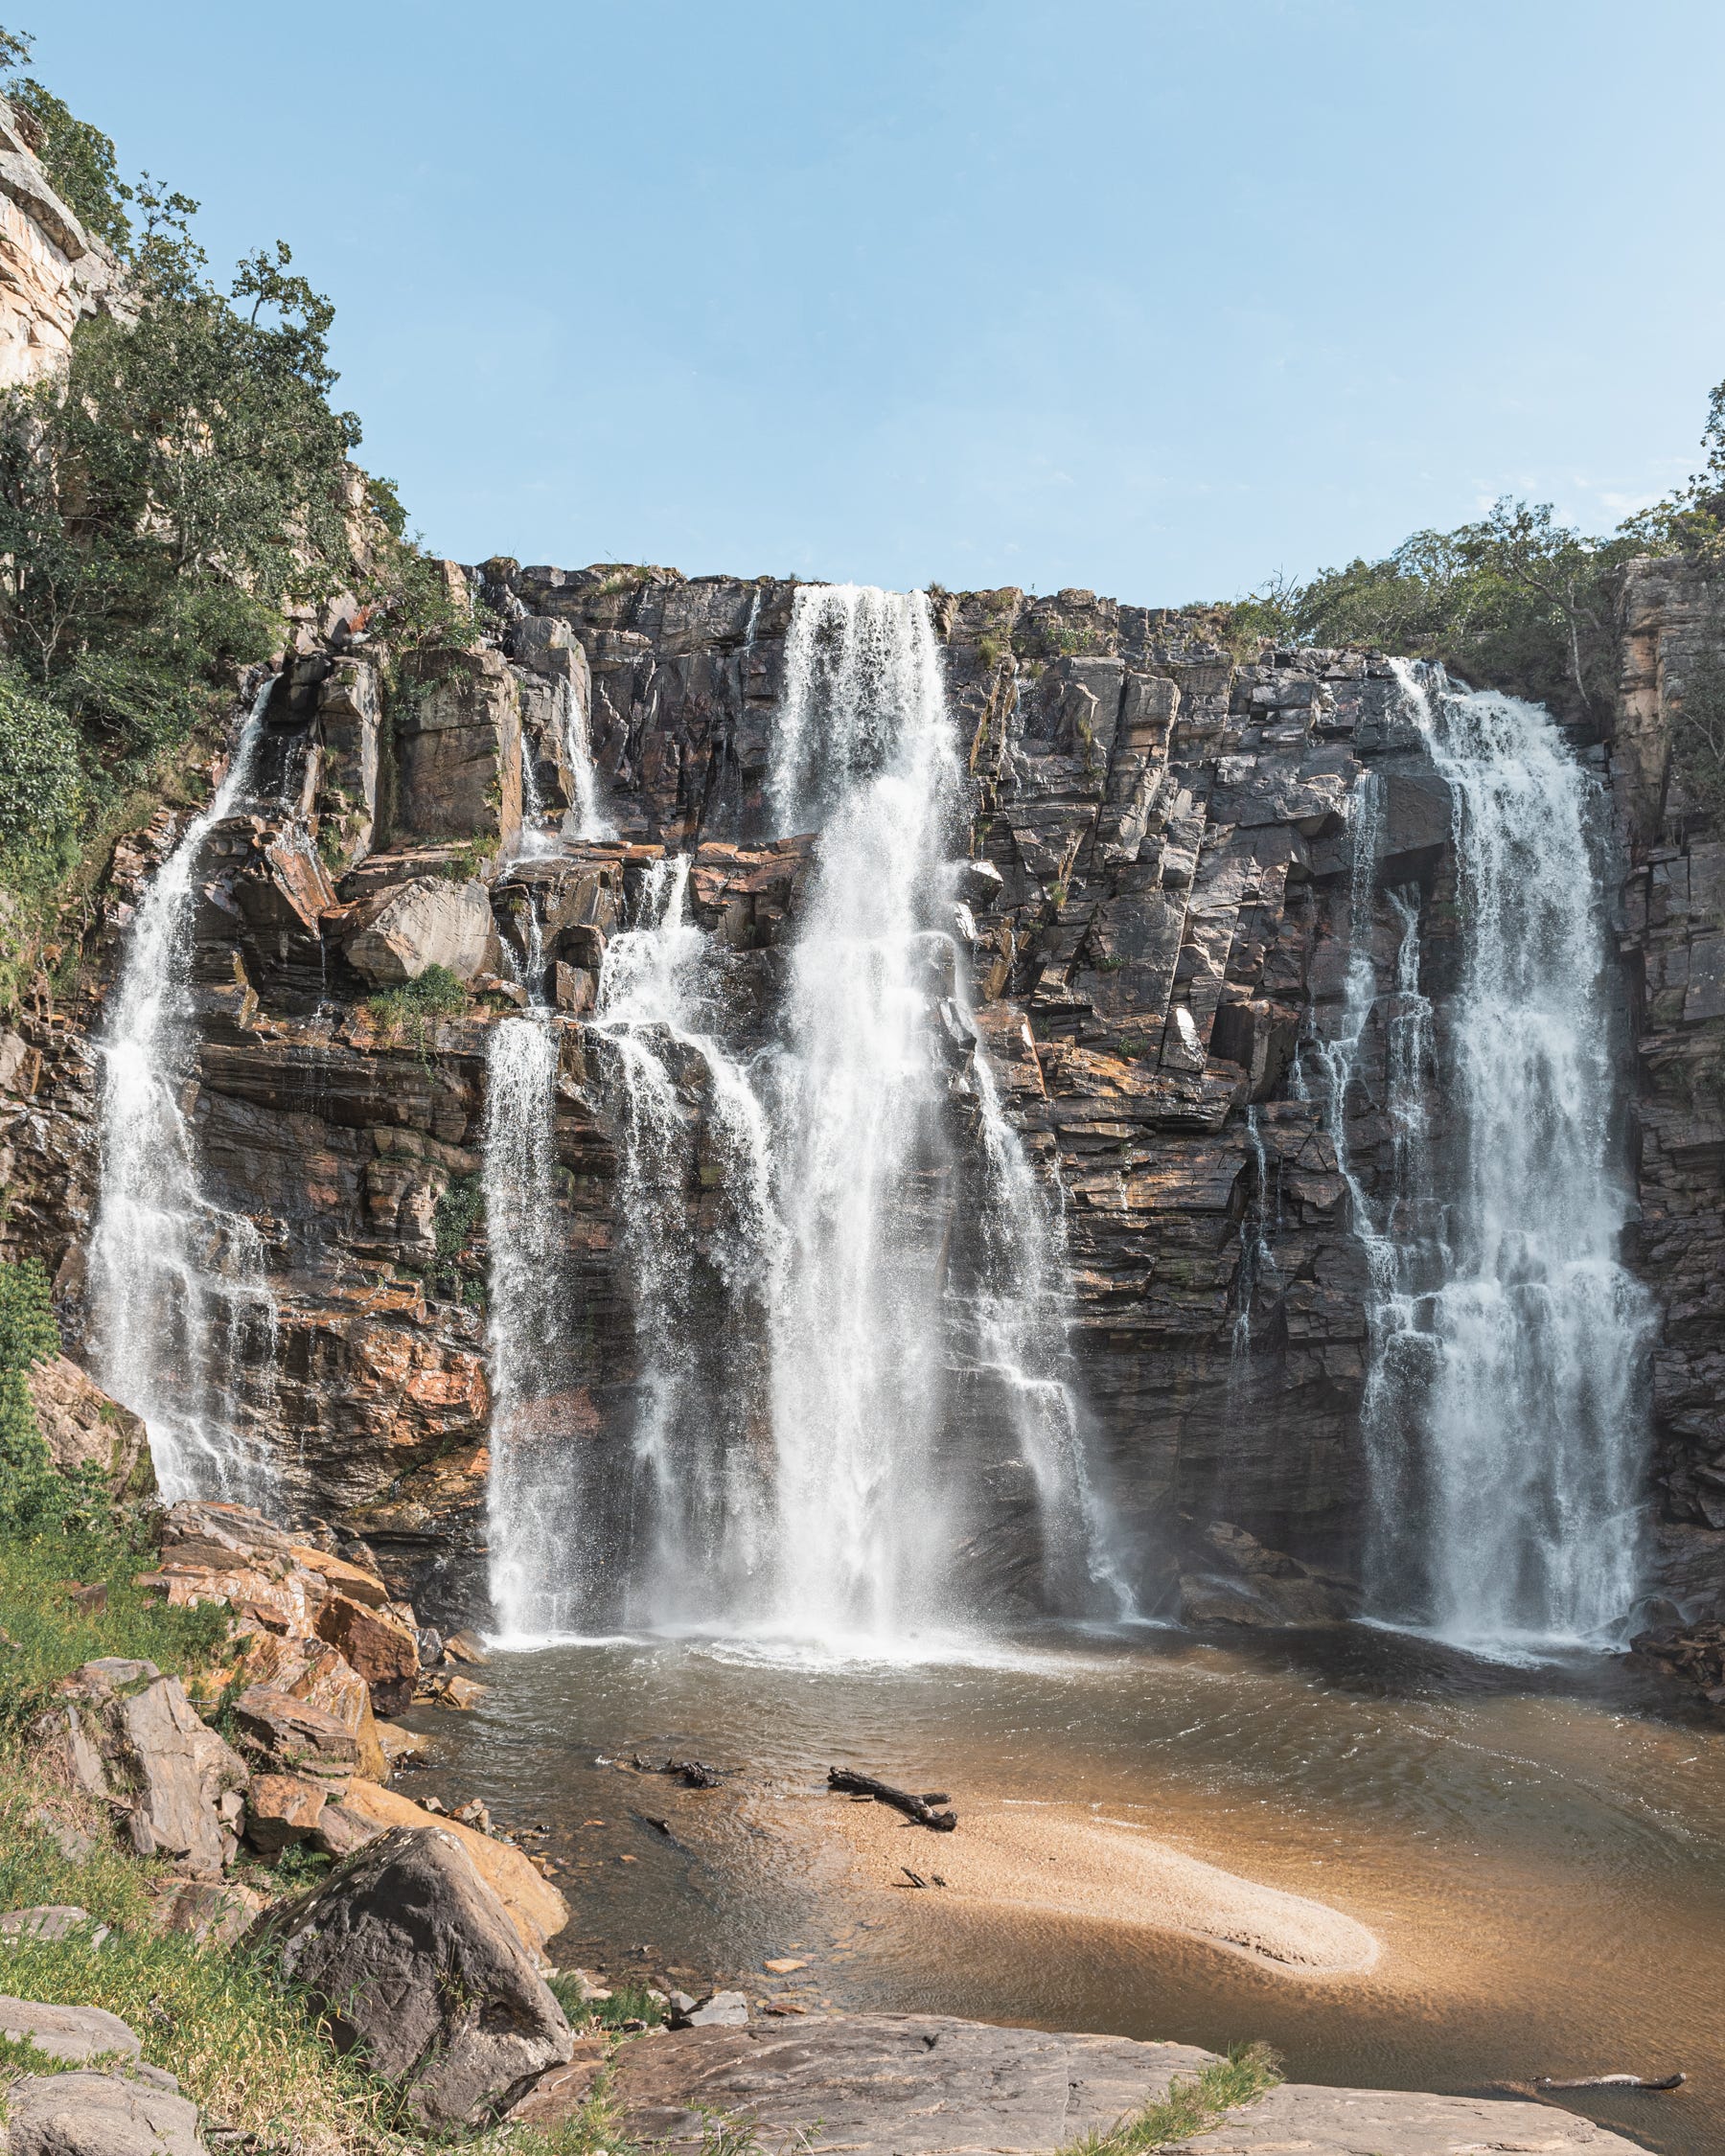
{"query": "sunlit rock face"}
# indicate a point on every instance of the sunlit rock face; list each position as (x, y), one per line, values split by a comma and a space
(52, 271)
(1154, 931)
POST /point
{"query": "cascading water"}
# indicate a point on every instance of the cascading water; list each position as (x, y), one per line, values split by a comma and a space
(1502, 1412)
(844, 1268)
(179, 1298)
(869, 1509)
(588, 819)
(534, 1530)
(705, 1280)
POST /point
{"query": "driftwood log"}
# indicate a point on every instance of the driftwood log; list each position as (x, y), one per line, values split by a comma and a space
(1612, 2081)
(922, 1810)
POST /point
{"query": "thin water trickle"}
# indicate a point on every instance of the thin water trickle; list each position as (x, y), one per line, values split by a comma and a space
(180, 1304)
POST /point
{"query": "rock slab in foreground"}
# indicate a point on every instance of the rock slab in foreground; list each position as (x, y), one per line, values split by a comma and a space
(99, 2115)
(903, 2085)
(417, 1962)
(1319, 2122)
(929, 2086)
(74, 2032)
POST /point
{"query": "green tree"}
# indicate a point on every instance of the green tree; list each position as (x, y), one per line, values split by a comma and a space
(184, 481)
(79, 159)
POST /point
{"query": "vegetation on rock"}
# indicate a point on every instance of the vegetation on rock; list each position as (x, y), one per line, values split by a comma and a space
(1516, 599)
(168, 503)
(1248, 2071)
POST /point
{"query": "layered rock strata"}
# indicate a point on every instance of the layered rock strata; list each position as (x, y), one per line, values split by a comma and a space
(1160, 916)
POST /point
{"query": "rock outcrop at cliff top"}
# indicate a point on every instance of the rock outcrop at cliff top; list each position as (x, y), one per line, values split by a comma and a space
(1160, 900)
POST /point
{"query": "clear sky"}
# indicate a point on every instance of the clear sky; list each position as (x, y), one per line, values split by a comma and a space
(1156, 298)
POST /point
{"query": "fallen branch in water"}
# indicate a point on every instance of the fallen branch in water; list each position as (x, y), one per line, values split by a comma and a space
(691, 1772)
(919, 1809)
(1612, 2081)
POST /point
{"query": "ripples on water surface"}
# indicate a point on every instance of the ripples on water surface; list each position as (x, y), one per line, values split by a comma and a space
(1538, 1848)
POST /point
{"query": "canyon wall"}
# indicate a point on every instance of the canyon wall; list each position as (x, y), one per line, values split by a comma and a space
(1161, 915)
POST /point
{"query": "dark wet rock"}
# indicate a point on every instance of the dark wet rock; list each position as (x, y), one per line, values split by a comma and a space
(414, 1959)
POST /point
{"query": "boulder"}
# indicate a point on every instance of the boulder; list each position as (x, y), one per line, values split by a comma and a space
(339, 1832)
(536, 1909)
(214, 1915)
(51, 1920)
(83, 1427)
(718, 2009)
(102, 2115)
(281, 1809)
(287, 1735)
(122, 1731)
(381, 1647)
(74, 2032)
(429, 921)
(413, 1958)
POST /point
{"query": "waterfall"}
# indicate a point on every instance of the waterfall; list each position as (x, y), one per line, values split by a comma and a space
(701, 1236)
(870, 1508)
(179, 1298)
(590, 821)
(1022, 1328)
(535, 1530)
(1503, 1413)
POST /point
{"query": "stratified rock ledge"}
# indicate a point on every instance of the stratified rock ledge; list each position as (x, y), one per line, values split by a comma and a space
(930, 2085)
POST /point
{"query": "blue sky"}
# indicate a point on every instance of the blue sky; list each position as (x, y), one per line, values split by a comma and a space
(1159, 299)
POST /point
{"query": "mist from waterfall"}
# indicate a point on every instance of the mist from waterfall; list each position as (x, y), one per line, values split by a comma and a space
(178, 1294)
(1503, 1412)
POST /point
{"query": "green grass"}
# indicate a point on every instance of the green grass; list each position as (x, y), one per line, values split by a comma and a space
(1249, 2072)
(629, 2001)
(47, 1637)
(248, 2051)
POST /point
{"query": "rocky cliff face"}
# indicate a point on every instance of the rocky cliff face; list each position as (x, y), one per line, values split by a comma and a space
(1161, 900)
(52, 271)
(1673, 947)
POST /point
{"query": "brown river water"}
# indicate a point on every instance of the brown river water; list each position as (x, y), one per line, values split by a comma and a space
(1541, 1850)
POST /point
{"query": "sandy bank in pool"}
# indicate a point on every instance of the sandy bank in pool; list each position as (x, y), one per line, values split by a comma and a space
(1074, 1864)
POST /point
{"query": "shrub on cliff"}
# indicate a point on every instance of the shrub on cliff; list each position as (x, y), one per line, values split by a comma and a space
(1515, 600)
(79, 159)
(164, 500)
(32, 1494)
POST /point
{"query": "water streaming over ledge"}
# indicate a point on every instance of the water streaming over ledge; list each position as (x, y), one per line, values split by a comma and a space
(704, 1291)
(179, 1300)
(536, 1565)
(1505, 1416)
(848, 1284)
(883, 1307)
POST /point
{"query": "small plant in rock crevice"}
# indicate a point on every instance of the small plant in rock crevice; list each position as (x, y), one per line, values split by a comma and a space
(412, 1009)
(1192, 2104)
